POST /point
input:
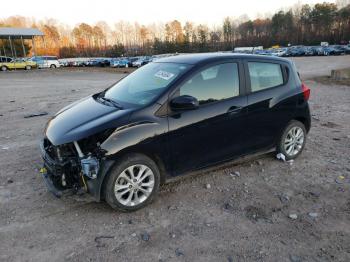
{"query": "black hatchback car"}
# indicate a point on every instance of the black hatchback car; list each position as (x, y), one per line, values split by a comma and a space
(170, 117)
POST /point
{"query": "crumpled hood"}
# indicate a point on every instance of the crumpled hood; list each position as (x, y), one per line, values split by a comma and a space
(84, 118)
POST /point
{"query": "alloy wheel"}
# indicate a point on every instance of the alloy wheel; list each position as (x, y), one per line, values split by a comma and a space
(134, 185)
(294, 141)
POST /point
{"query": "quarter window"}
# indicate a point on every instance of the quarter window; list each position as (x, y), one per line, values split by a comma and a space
(213, 84)
(264, 75)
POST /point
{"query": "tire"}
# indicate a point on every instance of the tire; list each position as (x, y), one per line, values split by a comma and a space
(52, 66)
(3, 68)
(297, 142)
(28, 67)
(132, 195)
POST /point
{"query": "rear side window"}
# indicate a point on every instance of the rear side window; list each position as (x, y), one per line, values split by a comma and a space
(213, 84)
(264, 75)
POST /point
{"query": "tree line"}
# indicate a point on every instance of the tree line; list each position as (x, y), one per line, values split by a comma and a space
(299, 25)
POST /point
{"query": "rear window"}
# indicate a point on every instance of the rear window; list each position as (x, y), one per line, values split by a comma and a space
(264, 75)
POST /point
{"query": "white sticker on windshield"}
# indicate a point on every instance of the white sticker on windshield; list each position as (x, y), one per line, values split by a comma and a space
(164, 75)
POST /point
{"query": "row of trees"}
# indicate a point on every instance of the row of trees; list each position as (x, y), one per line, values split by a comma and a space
(302, 24)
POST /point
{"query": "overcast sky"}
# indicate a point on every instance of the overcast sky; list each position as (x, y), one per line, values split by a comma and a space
(144, 11)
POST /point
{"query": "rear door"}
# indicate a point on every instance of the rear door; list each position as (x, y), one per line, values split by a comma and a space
(214, 131)
(271, 101)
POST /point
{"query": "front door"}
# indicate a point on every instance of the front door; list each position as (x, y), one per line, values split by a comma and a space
(214, 131)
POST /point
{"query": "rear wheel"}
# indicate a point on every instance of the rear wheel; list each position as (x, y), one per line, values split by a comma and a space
(3, 68)
(28, 67)
(293, 140)
(132, 183)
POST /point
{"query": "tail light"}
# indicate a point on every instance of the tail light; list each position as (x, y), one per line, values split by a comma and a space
(306, 91)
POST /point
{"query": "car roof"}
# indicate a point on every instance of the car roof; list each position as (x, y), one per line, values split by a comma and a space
(194, 59)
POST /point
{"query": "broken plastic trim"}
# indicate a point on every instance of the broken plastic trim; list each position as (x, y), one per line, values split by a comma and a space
(89, 165)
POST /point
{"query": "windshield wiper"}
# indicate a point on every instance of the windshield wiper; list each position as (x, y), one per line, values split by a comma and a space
(111, 101)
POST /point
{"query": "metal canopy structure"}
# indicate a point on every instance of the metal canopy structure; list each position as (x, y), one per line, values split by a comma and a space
(12, 33)
(19, 33)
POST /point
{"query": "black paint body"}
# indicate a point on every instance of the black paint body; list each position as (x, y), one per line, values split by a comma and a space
(183, 141)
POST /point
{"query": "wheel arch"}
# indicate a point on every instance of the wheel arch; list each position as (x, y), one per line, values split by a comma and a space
(156, 158)
(305, 121)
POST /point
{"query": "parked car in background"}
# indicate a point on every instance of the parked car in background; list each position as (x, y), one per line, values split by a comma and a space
(18, 63)
(347, 49)
(132, 60)
(332, 50)
(5, 59)
(142, 61)
(319, 50)
(311, 51)
(114, 62)
(341, 49)
(63, 63)
(166, 119)
(261, 52)
(296, 51)
(279, 52)
(100, 62)
(46, 61)
(122, 62)
(80, 63)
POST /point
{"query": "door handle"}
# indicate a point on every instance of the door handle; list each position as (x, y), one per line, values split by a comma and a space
(234, 110)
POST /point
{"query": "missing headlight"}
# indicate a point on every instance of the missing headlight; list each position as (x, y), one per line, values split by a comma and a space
(89, 164)
(90, 167)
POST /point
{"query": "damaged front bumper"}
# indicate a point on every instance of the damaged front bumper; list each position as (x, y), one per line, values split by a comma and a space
(73, 174)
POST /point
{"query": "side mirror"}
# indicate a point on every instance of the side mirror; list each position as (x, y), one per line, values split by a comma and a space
(184, 102)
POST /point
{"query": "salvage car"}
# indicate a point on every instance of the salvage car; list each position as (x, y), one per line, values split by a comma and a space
(120, 63)
(46, 61)
(171, 117)
(141, 61)
(18, 63)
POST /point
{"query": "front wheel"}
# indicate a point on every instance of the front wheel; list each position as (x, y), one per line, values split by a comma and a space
(52, 66)
(3, 68)
(293, 140)
(28, 67)
(132, 183)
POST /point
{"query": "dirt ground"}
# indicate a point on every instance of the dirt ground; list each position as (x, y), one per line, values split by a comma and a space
(270, 211)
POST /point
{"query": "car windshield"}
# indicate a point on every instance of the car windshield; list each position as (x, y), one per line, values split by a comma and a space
(146, 83)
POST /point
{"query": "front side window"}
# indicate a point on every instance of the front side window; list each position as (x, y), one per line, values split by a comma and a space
(146, 83)
(213, 84)
(264, 75)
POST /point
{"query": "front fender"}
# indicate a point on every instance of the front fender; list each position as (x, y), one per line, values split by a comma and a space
(95, 185)
(146, 137)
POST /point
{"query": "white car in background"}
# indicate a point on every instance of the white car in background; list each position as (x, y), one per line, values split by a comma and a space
(279, 52)
(46, 61)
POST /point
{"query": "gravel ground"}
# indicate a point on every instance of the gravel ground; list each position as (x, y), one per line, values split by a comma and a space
(261, 209)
